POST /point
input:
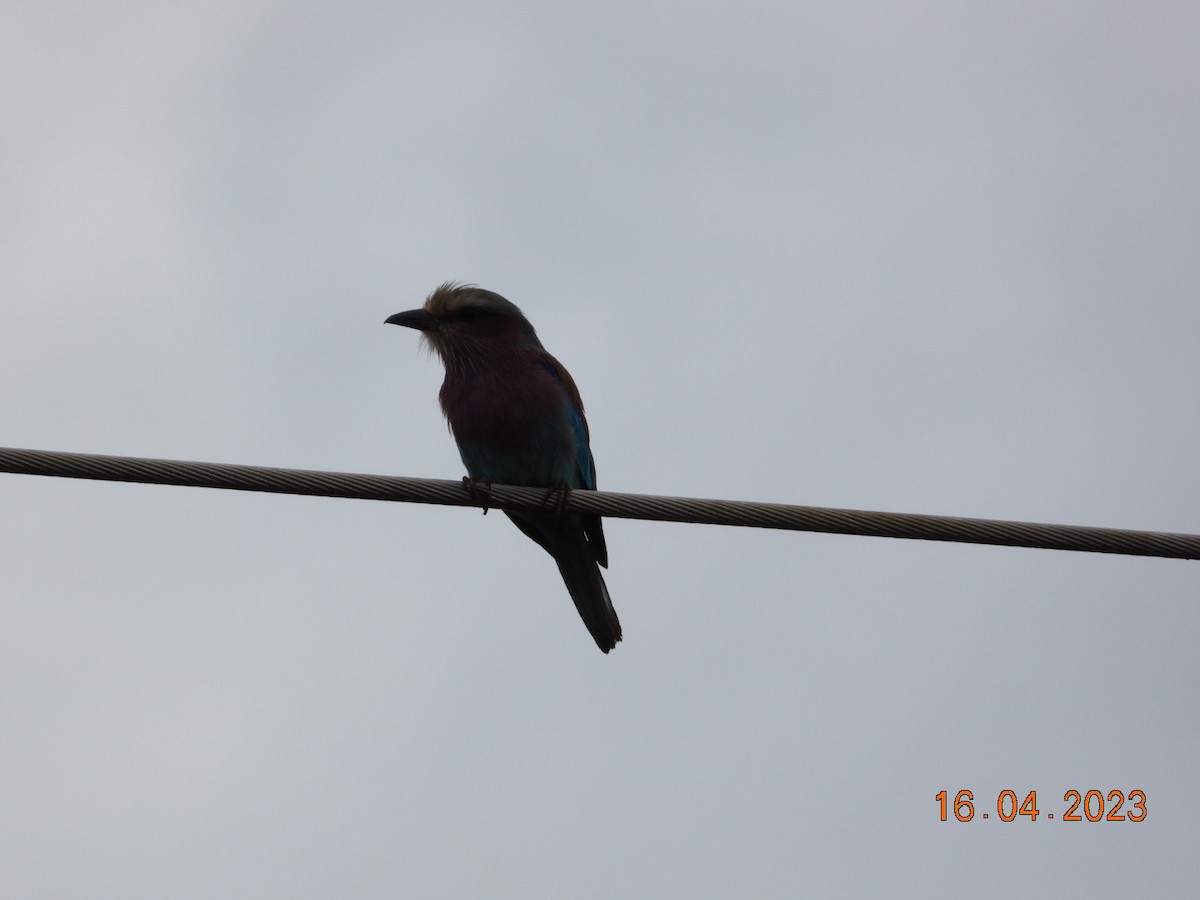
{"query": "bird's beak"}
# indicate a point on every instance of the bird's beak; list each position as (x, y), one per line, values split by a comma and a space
(415, 318)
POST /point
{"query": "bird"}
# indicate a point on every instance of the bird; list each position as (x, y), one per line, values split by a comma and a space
(517, 418)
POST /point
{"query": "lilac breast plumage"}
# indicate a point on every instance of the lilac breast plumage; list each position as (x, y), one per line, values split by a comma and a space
(518, 427)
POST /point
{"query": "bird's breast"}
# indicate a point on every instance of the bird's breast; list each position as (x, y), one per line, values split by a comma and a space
(511, 428)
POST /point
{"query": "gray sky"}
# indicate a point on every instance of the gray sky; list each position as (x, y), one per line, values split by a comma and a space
(930, 258)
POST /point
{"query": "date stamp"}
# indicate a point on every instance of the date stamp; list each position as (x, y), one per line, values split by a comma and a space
(1095, 806)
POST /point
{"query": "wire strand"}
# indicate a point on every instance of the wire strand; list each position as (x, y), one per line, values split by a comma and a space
(626, 506)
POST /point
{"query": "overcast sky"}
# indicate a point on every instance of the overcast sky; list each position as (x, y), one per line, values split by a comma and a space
(931, 257)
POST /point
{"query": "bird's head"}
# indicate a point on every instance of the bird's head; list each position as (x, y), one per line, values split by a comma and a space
(462, 322)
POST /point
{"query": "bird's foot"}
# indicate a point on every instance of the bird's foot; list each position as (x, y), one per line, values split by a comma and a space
(562, 495)
(480, 490)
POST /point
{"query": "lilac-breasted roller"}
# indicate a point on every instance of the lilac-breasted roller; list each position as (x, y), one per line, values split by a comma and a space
(516, 416)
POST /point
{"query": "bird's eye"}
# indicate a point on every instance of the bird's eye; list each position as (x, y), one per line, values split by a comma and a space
(471, 314)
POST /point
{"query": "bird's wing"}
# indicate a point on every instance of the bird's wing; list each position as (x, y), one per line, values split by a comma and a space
(585, 466)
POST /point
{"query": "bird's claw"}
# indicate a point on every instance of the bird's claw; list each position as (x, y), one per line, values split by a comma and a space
(479, 490)
(563, 494)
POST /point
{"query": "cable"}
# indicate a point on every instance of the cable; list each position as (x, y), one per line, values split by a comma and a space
(626, 506)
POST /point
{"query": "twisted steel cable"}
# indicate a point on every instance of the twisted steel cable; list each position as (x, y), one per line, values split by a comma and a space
(626, 506)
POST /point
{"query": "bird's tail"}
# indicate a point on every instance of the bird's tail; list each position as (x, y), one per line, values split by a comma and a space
(564, 538)
(587, 588)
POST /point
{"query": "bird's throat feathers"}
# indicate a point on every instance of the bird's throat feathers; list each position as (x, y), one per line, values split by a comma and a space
(474, 347)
